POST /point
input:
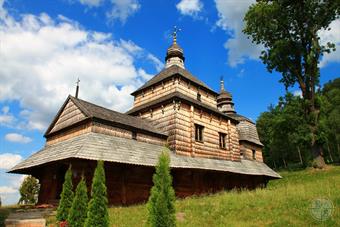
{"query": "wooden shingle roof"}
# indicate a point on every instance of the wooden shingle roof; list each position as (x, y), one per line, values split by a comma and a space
(169, 72)
(95, 112)
(247, 130)
(95, 146)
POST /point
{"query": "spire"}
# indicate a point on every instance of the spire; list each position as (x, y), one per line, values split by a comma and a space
(174, 34)
(221, 84)
(174, 54)
(224, 100)
(77, 88)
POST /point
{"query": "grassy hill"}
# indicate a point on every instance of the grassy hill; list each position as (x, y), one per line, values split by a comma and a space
(285, 202)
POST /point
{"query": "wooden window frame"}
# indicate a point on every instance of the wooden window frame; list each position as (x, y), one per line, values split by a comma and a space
(253, 154)
(199, 131)
(134, 135)
(222, 140)
(199, 97)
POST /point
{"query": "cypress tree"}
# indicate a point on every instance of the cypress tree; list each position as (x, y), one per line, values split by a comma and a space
(78, 212)
(66, 197)
(161, 201)
(97, 214)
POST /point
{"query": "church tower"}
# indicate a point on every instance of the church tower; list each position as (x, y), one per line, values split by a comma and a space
(174, 54)
(224, 100)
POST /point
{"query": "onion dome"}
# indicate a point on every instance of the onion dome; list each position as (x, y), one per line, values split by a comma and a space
(225, 101)
(174, 54)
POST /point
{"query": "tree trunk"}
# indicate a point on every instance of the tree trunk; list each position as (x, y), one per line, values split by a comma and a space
(298, 149)
(284, 163)
(316, 148)
(317, 154)
(329, 152)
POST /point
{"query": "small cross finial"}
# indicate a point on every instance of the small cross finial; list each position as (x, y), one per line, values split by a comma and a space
(221, 83)
(77, 88)
(174, 33)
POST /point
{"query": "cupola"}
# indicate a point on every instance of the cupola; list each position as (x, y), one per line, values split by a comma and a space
(224, 100)
(174, 54)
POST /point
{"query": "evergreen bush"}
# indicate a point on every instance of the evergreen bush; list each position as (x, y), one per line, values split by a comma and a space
(97, 214)
(161, 201)
(78, 211)
(66, 197)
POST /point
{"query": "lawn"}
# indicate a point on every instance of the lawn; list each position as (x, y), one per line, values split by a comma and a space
(285, 202)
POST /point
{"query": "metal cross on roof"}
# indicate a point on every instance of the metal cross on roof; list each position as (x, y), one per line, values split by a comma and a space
(77, 88)
(174, 33)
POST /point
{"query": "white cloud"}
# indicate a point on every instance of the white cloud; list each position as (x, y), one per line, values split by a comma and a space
(8, 160)
(7, 190)
(5, 117)
(5, 109)
(189, 7)
(158, 64)
(17, 138)
(91, 3)
(122, 9)
(333, 36)
(41, 58)
(239, 47)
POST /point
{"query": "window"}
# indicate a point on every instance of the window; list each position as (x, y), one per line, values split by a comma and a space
(254, 154)
(199, 133)
(134, 135)
(199, 97)
(223, 137)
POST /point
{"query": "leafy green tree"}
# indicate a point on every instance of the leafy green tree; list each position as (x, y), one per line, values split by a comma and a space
(284, 133)
(78, 211)
(161, 201)
(97, 214)
(66, 197)
(289, 32)
(330, 118)
(29, 191)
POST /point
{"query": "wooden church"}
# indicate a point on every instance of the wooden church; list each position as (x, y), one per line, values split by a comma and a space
(212, 148)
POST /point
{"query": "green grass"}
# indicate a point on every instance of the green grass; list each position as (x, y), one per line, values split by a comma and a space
(285, 202)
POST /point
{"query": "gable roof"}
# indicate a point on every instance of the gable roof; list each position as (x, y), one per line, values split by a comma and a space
(95, 146)
(173, 70)
(95, 112)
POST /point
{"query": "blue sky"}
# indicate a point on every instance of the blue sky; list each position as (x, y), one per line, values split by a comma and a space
(114, 46)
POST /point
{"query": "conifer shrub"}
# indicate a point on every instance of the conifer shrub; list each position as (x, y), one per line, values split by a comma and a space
(162, 197)
(97, 214)
(66, 197)
(78, 211)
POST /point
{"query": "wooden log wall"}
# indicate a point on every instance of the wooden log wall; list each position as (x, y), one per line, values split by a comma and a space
(179, 119)
(131, 184)
(247, 149)
(73, 132)
(103, 129)
(69, 115)
(164, 119)
(172, 85)
(186, 118)
(155, 92)
(191, 90)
